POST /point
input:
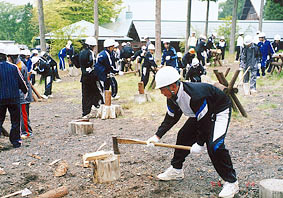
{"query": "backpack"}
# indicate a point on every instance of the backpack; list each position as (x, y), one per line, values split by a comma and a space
(75, 60)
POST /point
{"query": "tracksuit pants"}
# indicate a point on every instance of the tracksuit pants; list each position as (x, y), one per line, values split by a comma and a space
(15, 115)
(145, 75)
(48, 85)
(238, 50)
(61, 63)
(251, 75)
(217, 152)
(201, 58)
(25, 122)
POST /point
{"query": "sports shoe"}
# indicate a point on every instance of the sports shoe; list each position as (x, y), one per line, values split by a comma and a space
(171, 174)
(17, 144)
(229, 190)
(115, 98)
(253, 91)
(50, 96)
(25, 136)
(44, 97)
(58, 80)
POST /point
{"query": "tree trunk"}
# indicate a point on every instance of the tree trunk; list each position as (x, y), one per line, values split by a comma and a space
(261, 15)
(206, 20)
(158, 30)
(233, 31)
(41, 25)
(188, 33)
(96, 24)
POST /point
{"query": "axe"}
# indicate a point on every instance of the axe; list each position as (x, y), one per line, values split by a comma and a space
(117, 141)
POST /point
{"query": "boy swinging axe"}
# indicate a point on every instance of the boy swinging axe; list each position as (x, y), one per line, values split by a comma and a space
(209, 112)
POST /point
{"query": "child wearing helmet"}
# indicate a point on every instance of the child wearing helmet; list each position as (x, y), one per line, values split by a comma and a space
(195, 71)
(222, 46)
(187, 60)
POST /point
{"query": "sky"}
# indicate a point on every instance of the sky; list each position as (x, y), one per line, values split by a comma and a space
(18, 2)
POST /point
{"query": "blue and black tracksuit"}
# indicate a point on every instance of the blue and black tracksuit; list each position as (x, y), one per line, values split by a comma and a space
(209, 112)
(11, 80)
(61, 55)
(266, 51)
(146, 67)
(171, 52)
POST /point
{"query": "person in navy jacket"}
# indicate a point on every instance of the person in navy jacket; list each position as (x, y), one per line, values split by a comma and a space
(169, 56)
(61, 55)
(11, 80)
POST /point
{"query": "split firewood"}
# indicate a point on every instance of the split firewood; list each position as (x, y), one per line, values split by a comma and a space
(54, 162)
(55, 193)
(2, 172)
(35, 156)
(61, 169)
(95, 156)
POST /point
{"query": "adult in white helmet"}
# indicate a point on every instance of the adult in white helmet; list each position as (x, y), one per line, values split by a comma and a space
(148, 64)
(222, 46)
(267, 51)
(276, 43)
(139, 55)
(201, 49)
(250, 59)
(13, 53)
(209, 112)
(239, 45)
(195, 71)
(169, 55)
(91, 95)
(147, 41)
(192, 41)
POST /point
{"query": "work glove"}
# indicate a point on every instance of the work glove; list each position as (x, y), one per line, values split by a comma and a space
(167, 57)
(33, 72)
(268, 57)
(121, 73)
(153, 139)
(26, 95)
(258, 65)
(197, 148)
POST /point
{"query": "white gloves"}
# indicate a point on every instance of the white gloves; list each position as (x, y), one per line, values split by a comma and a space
(88, 69)
(33, 72)
(167, 57)
(26, 95)
(197, 148)
(121, 73)
(153, 139)
(258, 65)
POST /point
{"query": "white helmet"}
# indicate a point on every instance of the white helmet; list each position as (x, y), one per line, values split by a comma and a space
(248, 40)
(151, 47)
(27, 52)
(91, 41)
(2, 48)
(193, 32)
(13, 50)
(166, 76)
(166, 41)
(261, 35)
(179, 54)
(277, 37)
(69, 42)
(241, 33)
(23, 51)
(116, 44)
(34, 51)
(257, 32)
(143, 47)
(222, 38)
(214, 34)
(203, 37)
(109, 43)
(124, 44)
(34, 59)
(195, 61)
(42, 53)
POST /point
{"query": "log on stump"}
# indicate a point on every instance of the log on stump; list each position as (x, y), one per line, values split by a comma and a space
(106, 112)
(56, 193)
(107, 170)
(271, 188)
(142, 98)
(81, 127)
(107, 98)
(95, 156)
(141, 88)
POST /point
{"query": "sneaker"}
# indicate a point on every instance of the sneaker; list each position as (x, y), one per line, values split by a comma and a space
(253, 91)
(50, 96)
(58, 80)
(115, 98)
(44, 97)
(87, 116)
(25, 135)
(17, 144)
(171, 174)
(229, 190)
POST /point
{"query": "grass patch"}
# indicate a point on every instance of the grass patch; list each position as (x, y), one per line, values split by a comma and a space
(266, 106)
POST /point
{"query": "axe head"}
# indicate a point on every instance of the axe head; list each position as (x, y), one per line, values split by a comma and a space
(115, 146)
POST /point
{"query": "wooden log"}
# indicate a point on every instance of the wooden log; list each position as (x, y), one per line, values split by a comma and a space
(107, 170)
(35, 99)
(225, 82)
(227, 72)
(107, 98)
(141, 87)
(239, 105)
(81, 127)
(99, 155)
(142, 98)
(232, 82)
(36, 92)
(4, 132)
(271, 188)
(61, 169)
(55, 193)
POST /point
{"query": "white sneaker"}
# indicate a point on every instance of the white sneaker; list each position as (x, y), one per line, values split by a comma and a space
(58, 80)
(115, 98)
(171, 174)
(50, 96)
(253, 91)
(229, 190)
(44, 96)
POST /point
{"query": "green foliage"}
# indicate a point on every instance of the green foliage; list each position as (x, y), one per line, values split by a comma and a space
(182, 46)
(226, 9)
(15, 23)
(273, 11)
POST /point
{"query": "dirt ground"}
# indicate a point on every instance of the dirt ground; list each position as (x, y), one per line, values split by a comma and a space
(255, 144)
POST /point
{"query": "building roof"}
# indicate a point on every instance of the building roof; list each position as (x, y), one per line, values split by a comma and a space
(83, 29)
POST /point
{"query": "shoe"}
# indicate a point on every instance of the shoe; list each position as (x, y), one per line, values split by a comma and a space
(253, 91)
(44, 96)
(25, 135)
(50, 96)
(58, 80)
(87, 116)
(236, 61)
(229, 190)
(115, 98)
(17, 144)
(171, 174)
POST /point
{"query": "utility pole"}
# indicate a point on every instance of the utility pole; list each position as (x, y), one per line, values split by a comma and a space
(96, 25)
(206, 20)
(188, 32)
(41, 25)
(261, 15)
(233, 31)
(158, 30)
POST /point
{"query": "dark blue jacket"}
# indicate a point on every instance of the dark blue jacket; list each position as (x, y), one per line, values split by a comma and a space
(265, 50)
(173, 57)
(62, 53)
(11, 80)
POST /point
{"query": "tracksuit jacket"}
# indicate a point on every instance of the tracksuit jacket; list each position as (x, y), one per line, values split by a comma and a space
(265, 49)
(61, 55)
(173, 57)
(146, 67)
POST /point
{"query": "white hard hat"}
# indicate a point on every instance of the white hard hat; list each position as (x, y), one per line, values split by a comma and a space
(214, 34)
(109, 43)
(202, 37)
(116, 44)
(257, 32)
(34, 59)
(124, 44)
(193, 32)
(27, 52)
(277, 37)
(222, 38)
(34, 51)
(69, 42)
(143, 47)
(22, 52)
(2, 48)
(179, 54)
(261, 35)
(166, 76)
(195, 61)
(240, 33)
(42, 53)
(90, 41)
(248, 40)
(166, 41)
(151, 47)
(13, 50)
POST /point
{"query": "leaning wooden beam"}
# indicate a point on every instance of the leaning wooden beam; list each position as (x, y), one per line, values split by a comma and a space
(36, 92)
(227, 71)
(56, 193)
(232, 82)
(239, 105)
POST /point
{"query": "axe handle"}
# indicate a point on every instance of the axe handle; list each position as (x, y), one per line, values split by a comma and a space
(132, 141)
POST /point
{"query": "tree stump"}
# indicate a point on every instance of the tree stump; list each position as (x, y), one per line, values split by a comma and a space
(141, 97)
(271, 188)
(81, 127)
(107, 170)
(98, 155)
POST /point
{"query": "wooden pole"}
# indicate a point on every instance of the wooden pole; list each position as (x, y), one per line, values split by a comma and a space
(188, 31)
(141, 88)
(227, 71)
(158, 30)
(233, 31)
(232, 82)
(261, 15)
(41, 26)
(207, 18)
(107, 98)
(96, 24)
